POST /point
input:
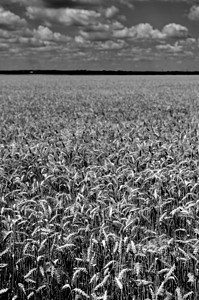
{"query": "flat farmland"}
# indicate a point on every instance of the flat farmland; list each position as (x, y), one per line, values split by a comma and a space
(99, 187)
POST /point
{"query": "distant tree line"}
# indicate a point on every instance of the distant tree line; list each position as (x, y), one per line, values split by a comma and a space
(95, 72)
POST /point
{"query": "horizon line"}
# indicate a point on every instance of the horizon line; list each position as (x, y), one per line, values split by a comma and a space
(85, 71)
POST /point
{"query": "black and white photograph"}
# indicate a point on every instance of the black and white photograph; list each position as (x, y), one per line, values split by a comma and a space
(99, 149)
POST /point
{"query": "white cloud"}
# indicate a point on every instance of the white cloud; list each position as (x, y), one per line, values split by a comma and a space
(170, 48)
(143, 30)
(10, 20)
(65, 16)
(100, 31)
(188, 42)
(110, 12)
(122, 33)
(112, 45)
(175, 30)
(146, 31)
(3, 46)
(79, 39)
(32, 42)
(194, 13)
(4, 34)
(98, 27)
(117, 25)
(44, 33)
(128, 3)
(40, 37)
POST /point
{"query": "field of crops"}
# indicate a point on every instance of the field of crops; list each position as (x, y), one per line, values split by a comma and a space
(99, 188)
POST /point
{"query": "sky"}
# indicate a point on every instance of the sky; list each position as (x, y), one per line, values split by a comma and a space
(136, 35)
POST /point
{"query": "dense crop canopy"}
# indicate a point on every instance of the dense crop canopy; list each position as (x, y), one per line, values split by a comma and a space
(99, 190)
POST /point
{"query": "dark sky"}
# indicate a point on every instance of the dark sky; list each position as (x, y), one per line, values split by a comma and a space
(99, 34)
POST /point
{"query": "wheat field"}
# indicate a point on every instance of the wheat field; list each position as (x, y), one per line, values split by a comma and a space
(99, 188)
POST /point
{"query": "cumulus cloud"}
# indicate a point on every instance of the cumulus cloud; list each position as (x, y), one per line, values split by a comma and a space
(188, 42)
(140, 31)
(4, 34)
(108, 37)
(194, 13)
(175, 30)
(9, 20)
(170, 48)
(45, 34)
(79, 39)
(97, 27)
(99, 30)
(145, 30)
(32, 42)
(110, 12)
(25, 38)
(111, 45)
(102, 27)
(67, 16)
